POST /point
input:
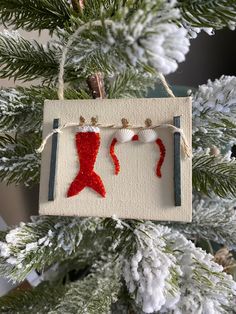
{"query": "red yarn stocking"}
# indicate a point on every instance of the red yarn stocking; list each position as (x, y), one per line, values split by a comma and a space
(114, 157)
(87, 144)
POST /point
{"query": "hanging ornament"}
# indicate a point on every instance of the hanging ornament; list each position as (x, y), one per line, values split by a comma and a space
(148, 136)
(87, 144)
(121, 136)
(129, 195)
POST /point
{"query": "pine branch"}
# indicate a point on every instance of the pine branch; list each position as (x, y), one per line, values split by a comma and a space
(95, 293)
(52, 15)
(213, 219)
(214, 114)
(99, 9)
(35, 14)
(21, 109)
(220, 132)
(26, 60)
(41, 299)
(214, 13)
(130, 84)
(168, 273)
(117, 44)
(19, 162)
(214, 174)
(19, 112)
(66, 240)
(155, 259)
(45, 241)
(109, 48)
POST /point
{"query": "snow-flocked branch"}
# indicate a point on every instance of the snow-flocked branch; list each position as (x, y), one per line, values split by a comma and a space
(214, 114)
(214, 219)
(169, 274)
(162, 269)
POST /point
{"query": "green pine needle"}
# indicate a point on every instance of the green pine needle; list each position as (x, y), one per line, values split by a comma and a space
(130, 84)
(94, 294)
(26, 60)
(212, 13)
(35, 14)
(48, 240)
(39, 300)
(19, 163)
(21, 109)
(214, 174)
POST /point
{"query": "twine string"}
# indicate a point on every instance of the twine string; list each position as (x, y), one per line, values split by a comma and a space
(70, 41)
(172, 128)
(165, 85)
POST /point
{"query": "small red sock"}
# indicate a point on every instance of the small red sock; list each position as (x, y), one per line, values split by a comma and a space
(114, 157)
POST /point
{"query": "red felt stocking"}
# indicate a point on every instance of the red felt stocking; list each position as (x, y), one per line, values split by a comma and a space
(87, 144)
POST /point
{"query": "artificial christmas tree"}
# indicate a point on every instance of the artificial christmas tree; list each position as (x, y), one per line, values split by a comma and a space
(118, 266)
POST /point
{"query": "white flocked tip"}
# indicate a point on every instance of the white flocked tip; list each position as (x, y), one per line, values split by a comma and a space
(147, 136)
(124, 135)
(88, 128)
